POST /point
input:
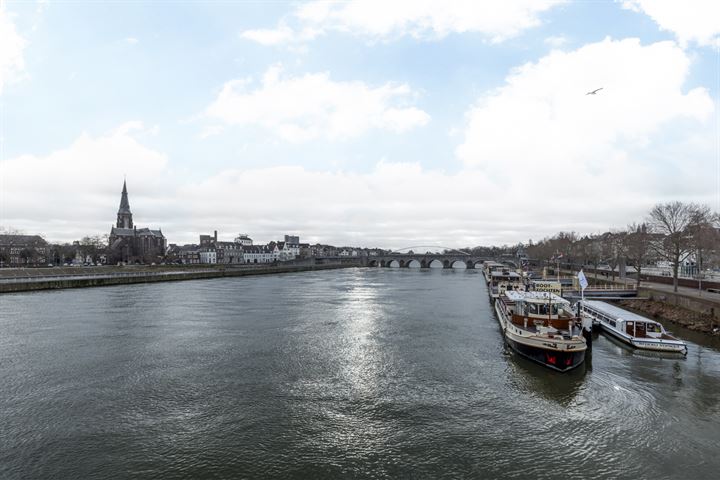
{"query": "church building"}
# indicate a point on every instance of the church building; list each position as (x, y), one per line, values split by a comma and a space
(130, 244)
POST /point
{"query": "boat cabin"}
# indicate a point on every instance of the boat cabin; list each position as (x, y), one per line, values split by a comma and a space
(540, 310)
(504, 280)
(489, 267)
(621, 320)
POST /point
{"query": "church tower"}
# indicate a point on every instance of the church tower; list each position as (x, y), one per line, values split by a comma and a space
(124, 216)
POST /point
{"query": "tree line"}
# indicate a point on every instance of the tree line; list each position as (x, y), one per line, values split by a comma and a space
(672, 232)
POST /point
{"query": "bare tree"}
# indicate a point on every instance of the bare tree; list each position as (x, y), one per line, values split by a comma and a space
(635, 246)
(592, 251)
(92, 247)
(675, 221)
(613, 243)
(706, 238)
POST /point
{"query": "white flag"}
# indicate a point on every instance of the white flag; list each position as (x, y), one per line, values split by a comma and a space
(582, 280)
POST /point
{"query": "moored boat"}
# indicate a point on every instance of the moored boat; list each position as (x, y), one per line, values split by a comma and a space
(503, 280)
(489, 267)
(631, 328)
(542, 327)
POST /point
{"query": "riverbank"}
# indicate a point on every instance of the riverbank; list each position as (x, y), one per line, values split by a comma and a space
(85, 278)
(698, 311)
(667, 312)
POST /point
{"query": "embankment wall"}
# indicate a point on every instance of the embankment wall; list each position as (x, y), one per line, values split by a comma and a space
(146, 277)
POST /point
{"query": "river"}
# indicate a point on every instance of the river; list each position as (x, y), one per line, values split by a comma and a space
(356, 373)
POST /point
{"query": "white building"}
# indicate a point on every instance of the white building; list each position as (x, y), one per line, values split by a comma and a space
(243, 240)
(287, 251)
(209, 256)
(259, 254)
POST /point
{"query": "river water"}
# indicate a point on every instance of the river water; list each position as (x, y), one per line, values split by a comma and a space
(372, 373)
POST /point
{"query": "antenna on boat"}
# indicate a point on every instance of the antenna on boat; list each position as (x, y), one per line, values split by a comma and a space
(549, 308)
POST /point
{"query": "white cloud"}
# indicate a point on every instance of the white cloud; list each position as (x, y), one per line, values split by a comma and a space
(542, 112)
(543, 137)
(210, 131)
(132, 41)
(391, 205)
(426, 19)
(556, 41)
(280, 35)
(74, 191)
(12, 64)
(690, 20)
(314, 106)
(401, 204)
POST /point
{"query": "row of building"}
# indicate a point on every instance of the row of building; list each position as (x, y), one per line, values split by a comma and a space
(241, 250)
(210, 250)
(128, 244)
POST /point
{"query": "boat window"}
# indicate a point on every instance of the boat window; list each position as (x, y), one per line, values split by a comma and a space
(532, 308)
(544, 310)
(652, 327)
(612, 322)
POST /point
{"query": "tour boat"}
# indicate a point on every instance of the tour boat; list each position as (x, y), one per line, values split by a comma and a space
(504, 280)
(489, 267)
(542, 327)
(631, 328)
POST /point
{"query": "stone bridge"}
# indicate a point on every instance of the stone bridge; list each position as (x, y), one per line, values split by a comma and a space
(404, 259)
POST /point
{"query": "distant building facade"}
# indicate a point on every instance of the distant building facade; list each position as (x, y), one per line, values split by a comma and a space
(19, 250)
(185, 254)
(208, 256)
(217, 251)
(260, 254)
(130, 244)
(244, 240)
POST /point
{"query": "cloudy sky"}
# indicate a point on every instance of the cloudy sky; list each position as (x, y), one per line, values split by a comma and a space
(369, 123)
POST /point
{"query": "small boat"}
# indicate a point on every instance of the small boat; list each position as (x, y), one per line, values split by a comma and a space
(542, 327)
(631, 328)
(503, 280)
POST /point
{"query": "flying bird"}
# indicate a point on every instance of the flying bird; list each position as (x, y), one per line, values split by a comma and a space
(594, 92)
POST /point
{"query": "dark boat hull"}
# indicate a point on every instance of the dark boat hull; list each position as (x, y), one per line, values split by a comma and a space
(553, 359)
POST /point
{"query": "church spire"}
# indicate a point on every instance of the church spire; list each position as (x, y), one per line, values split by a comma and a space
(124, 216)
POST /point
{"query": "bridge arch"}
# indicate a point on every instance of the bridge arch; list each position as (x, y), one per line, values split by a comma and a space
(458, 263)
(413, 263)
(475, 262)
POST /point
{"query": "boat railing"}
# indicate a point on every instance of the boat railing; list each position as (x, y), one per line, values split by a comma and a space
(612, 287)
(563, 323)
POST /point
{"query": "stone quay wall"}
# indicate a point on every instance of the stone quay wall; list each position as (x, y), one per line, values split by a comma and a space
(165, 275)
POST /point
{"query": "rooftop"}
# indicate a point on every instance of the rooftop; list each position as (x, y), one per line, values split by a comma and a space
(616, 312)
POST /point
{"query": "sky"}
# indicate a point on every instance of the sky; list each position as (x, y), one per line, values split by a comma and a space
(378, 124)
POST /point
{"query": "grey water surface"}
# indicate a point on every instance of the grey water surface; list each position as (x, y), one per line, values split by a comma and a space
(357, 373)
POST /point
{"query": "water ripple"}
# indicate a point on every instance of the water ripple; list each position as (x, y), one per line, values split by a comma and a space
(355, 373)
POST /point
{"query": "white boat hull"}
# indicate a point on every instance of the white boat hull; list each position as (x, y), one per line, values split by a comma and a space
(653, 344)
